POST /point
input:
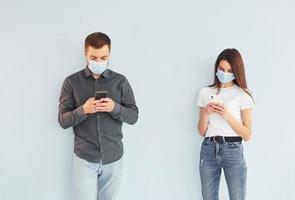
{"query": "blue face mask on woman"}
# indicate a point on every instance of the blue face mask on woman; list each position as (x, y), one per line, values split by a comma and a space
(97, 67)
(224, 77)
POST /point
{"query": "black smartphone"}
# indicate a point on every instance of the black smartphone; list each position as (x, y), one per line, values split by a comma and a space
(101, 94)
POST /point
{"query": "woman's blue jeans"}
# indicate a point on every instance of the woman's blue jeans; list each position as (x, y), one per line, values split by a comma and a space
(229, 157)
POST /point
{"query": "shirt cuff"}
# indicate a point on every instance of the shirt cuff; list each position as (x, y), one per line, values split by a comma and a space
(117, 110)
(80, 111)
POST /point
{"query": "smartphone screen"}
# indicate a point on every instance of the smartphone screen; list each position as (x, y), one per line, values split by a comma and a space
(101, 94)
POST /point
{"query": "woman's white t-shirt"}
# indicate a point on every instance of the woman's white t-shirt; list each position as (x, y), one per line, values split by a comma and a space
(234, 99)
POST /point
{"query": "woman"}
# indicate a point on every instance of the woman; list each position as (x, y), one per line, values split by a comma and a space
(225, 120)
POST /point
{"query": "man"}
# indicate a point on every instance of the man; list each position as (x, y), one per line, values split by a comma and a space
(97, 123)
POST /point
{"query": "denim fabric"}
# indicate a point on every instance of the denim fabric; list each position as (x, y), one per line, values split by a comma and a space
(227, 157)
(95, 181)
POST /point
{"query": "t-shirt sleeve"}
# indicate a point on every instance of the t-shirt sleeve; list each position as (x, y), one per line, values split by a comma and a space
(247, 101)
(201, 98)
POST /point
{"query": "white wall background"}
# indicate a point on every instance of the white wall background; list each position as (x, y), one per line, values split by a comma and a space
(167, 49)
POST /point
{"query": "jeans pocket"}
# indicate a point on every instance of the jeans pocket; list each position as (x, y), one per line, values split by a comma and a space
(234, 145)
(205, 142)
(235, 150)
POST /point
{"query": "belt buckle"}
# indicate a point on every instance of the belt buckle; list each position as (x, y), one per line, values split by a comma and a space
(214, 140)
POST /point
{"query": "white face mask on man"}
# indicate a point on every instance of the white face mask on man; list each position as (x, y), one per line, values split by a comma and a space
(97, 67)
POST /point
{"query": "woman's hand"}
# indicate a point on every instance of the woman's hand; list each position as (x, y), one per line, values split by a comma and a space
(209, 109)
(222, 111)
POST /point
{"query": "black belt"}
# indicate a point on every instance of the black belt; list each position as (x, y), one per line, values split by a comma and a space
(221, 139)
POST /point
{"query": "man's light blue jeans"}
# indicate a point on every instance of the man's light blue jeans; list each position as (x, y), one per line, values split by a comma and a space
(94, 181)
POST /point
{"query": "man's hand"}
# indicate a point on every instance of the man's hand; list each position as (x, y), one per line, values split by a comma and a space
(89, 106)
(105, 105)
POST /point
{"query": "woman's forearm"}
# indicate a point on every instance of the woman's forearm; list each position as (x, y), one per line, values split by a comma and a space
(203, 122)
(239, 128)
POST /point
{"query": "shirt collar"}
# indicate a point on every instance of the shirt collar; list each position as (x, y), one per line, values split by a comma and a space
(88, 73)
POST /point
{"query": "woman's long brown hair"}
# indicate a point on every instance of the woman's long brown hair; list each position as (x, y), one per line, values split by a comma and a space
(234, 58)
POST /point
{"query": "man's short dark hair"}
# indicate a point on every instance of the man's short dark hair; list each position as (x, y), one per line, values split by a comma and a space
(97, 40)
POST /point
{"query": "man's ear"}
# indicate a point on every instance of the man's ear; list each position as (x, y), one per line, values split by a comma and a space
(85, 53)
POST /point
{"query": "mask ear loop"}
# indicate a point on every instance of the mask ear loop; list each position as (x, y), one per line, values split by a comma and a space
(108, 63)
